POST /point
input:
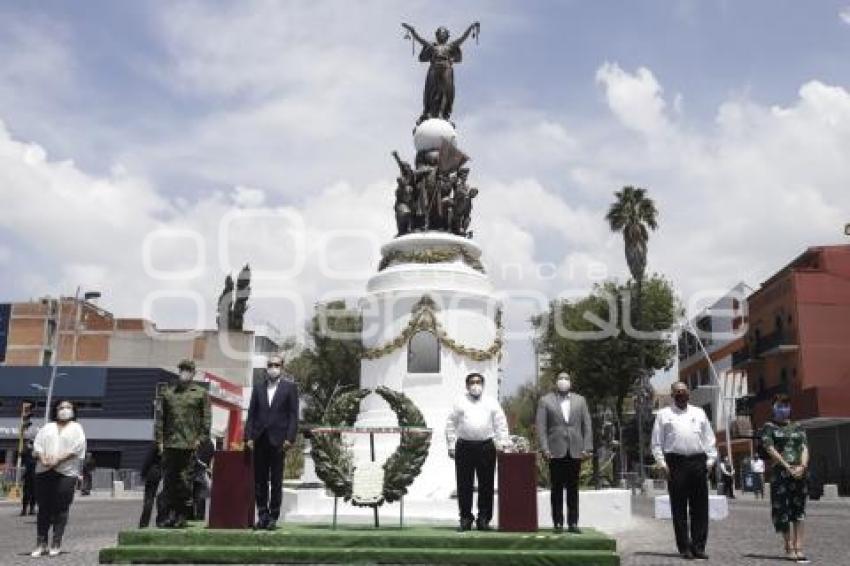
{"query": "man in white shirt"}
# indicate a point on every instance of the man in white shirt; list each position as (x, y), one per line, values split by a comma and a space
(727, 475)
(566, 439)
(757, 467)
(475, 430)
(683, 445)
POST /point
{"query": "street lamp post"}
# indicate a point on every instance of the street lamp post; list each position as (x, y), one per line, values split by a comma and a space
(716, 376)
(48, 391)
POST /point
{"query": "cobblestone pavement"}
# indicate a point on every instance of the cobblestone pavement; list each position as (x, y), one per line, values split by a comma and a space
(93, 524)
(745, 538)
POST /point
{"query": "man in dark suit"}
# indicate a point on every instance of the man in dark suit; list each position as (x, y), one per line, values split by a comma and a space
(269, 432)
(566, 439)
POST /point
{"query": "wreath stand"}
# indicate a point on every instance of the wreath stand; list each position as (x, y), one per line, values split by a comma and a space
(374, 502)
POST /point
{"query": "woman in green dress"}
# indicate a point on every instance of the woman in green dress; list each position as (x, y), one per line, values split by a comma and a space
(786, 443)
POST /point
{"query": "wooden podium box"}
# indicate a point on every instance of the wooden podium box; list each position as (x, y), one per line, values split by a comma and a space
(518, 492)
(232, 497)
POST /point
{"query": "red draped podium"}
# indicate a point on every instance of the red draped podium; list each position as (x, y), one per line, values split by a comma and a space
(232, 497)
(518, 492)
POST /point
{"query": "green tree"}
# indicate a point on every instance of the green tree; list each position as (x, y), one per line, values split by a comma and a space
(330, 363)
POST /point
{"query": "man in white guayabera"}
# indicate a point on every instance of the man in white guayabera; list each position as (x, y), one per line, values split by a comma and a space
(684, 447)
(476, 429)
(59, 448)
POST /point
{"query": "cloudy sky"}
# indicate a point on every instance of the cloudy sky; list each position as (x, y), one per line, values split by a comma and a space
(148, 148)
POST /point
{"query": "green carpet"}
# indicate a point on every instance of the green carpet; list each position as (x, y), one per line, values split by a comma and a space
(311, 543)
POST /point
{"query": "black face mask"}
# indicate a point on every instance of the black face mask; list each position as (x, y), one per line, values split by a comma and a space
(681, 399)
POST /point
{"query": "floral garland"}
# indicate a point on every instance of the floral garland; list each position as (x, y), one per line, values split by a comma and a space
(335, 463)
(431, 256)
(424, 318)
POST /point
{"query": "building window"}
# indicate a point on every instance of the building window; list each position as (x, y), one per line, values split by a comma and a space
(423, 353)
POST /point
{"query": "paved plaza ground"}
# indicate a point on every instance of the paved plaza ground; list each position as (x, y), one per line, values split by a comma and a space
(746, 537)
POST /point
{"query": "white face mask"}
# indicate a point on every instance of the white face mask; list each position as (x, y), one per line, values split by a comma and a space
(65, 414)
(476, 390)
(564, 385)
(186, 376)
(273, 372)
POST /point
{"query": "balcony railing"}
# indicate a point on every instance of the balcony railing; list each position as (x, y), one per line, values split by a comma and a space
(774, 343)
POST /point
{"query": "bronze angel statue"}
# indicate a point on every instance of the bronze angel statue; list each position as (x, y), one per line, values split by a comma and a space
(442, 54)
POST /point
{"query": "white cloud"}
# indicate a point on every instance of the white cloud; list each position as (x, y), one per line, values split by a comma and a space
(634, 98)
(844, 14)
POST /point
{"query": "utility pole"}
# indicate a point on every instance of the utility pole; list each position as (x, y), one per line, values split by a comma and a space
(56, 347)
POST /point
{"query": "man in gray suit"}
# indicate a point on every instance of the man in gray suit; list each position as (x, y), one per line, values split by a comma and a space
(566, 439)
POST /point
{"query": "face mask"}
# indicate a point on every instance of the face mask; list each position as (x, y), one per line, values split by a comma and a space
(274, 372)
(564, 385)
(681, 399)
(65, 414)
(186, 376)
(476, 390)
(781, 412)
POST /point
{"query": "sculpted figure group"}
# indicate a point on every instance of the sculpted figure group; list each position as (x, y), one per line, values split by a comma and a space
(429, 198)
(435, 194)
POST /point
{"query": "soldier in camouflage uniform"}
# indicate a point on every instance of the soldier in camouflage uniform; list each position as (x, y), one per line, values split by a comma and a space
(182, 424)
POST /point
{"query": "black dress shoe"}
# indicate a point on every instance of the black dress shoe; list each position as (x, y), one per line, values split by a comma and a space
(465, 525)
(574, 529)
(179, 523)
(271, 525)
(687, 555)
(261, 525)
(558, 529)
(482, 526)
(699, 555)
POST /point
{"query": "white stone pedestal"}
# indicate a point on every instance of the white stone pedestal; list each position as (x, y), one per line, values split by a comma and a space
(465, 309)
(608, 510)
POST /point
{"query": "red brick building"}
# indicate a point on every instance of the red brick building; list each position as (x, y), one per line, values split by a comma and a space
(798, 342)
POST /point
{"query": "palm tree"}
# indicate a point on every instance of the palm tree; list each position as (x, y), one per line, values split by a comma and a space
(634, 214)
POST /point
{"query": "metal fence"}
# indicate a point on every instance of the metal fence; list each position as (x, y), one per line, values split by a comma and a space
(104, 478)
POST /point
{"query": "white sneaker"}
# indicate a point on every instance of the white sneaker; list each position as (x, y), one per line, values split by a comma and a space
(54, 551)
(40, 550)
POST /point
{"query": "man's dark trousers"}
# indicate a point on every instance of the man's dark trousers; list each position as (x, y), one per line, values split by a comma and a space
(475, 459)
(151, 487)
(564, 473)
(268, 477)
(688, 489)
(177, 481)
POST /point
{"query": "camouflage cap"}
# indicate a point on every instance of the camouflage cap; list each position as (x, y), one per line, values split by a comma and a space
(187, 365)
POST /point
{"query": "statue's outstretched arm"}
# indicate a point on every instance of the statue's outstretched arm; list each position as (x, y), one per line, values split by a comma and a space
(413, 33)
(475, 26)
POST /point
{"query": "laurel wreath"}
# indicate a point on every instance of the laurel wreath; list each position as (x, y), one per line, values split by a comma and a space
(424, 317)
(431, 256)
(335, 462)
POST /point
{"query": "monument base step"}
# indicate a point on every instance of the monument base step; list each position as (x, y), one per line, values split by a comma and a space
(300, 543)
